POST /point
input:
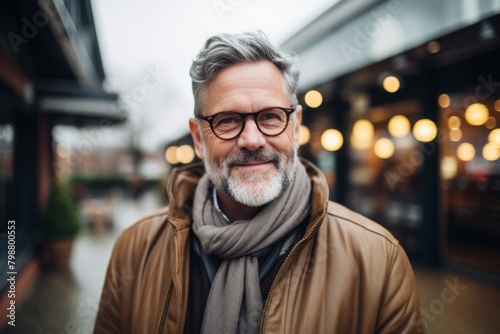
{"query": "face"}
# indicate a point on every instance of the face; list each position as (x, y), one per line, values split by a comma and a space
(251, 169)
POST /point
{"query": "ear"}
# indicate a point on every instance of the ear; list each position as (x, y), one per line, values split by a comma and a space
(198, 143)
(296, 127)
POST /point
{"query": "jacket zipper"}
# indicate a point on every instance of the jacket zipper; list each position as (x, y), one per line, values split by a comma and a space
(164, 314)
(280, 271)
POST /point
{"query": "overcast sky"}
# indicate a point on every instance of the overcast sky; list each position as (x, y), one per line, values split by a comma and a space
(138, 38)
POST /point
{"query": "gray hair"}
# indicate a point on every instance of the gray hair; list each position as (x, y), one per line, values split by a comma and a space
(224, 50)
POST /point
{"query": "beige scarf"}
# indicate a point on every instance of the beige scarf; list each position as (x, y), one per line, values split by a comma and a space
(235, 304)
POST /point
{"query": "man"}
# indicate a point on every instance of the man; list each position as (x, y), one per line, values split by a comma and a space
(250, 242)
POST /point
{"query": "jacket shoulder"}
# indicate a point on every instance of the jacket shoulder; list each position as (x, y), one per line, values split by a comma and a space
(340, 218)
(149, 223)
(144, 234)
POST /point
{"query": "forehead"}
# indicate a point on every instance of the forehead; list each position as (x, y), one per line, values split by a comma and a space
(246, 87)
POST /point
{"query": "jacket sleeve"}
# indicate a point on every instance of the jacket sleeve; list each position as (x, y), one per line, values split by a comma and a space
(400, 307)
(109, 315)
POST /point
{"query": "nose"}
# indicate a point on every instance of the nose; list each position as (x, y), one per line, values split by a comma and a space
(251, 138)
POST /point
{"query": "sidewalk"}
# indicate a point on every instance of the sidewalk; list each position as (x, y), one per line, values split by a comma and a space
(66, 302)
(457, 304)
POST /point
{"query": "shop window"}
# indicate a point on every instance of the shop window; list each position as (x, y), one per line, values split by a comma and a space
(470, 180)
(385, 161)
(324, 140)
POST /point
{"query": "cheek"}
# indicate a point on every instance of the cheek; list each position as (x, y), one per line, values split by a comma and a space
(289, 141)
(216, 149)
(284, 147)
(295, 134)
(208, 140)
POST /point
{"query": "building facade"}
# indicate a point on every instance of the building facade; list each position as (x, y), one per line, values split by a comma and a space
(402, 111)
(51, 73)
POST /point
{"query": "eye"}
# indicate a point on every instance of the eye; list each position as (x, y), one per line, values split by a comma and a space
(272, 115)
(227, 120)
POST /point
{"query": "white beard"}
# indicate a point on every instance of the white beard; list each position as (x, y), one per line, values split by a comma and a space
(252, 189)
(256, 189)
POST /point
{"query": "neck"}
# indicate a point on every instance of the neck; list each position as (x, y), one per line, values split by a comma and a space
(235, 210)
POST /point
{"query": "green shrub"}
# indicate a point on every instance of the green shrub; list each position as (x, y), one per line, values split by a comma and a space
(60, 218)
(100, 181)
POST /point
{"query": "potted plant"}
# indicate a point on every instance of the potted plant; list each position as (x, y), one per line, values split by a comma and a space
(61, 223)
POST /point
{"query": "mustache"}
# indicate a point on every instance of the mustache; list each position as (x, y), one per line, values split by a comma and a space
(246, 156)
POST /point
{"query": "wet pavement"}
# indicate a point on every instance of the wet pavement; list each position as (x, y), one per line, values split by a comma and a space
(66, 302)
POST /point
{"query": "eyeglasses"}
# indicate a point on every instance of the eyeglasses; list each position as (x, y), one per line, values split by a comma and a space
(228, 125)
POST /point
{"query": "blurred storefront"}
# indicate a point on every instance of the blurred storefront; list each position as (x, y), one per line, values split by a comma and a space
(402, 112)
(50, 74)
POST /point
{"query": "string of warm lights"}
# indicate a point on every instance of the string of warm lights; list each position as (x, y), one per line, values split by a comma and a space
(399, 126)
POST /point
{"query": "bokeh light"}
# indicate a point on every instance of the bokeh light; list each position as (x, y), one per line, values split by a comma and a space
(491, 151)
(363, 129)
(305, 135)
(449, 167)
(494, 136)
(313, 99)
(444, 100)
(332, 140)
(455, 135)
(491, 122)
(466, 152)
(433, 47)
(496, 105)
(425, 130)
(383, 148)
(185, 154)
(454, 122)
(476, 114)
(359, 144)
(391, 84)
(399, 126)
(171, 156)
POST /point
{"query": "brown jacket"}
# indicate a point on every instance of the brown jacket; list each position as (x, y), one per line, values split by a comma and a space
(346, 275)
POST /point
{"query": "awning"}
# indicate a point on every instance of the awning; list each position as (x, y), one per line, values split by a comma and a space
(69, 104)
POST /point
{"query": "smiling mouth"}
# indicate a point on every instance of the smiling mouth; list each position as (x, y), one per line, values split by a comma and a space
(253, 163)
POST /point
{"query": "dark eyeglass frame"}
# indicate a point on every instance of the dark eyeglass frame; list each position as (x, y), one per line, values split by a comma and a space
(244, 115)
